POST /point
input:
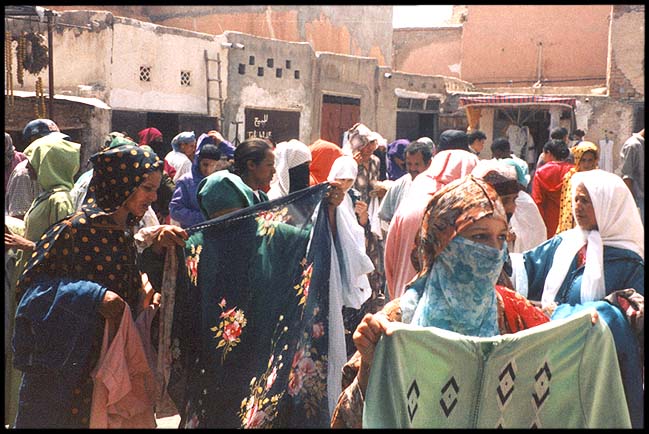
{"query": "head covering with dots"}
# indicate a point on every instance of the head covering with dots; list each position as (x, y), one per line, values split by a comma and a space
(117, 173)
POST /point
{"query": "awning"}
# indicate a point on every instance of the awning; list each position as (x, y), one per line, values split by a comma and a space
(82, 100)
(405, 93)
(516, 100)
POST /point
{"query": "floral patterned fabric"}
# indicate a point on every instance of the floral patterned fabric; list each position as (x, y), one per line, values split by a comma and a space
(249, 339)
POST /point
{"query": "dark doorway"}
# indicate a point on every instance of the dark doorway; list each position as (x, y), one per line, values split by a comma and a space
(167, 123)
(413, 125)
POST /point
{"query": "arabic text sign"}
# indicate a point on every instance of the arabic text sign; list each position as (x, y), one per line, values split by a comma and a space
(276, 125)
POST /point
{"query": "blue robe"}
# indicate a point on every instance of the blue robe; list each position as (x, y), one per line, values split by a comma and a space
(622, 269)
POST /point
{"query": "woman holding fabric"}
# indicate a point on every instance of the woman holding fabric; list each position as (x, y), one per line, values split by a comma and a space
(464, 226)
(94, 250)
(254, 162)
(602, 255)
(445, 167)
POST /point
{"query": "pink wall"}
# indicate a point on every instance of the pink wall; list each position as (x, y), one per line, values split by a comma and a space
(501, 43)
(436, 51)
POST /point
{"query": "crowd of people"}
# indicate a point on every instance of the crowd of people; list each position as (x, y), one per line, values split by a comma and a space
(422, 233)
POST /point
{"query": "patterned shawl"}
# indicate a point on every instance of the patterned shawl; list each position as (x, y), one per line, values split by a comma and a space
(250, 332)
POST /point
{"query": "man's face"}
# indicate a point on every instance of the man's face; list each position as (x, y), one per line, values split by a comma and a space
(415, 164)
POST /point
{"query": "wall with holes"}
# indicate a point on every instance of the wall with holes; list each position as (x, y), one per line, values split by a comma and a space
(268, 74)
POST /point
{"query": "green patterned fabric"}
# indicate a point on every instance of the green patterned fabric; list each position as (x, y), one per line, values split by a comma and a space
(562, 374)
(249, 333)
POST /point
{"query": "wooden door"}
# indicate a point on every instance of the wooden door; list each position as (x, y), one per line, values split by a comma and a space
(338, 115)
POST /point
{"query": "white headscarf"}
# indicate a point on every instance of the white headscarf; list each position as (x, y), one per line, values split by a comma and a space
(348, 281)
(619, 225)
(356, 264)
(287, 156)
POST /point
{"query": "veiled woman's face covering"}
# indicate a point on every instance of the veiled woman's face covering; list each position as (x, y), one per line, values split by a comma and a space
(450, 211)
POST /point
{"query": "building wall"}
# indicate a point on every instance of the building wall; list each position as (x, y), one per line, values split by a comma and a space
(626, 52)
(249, 90)
(355, 30)
(501, 43)
(168, 52)
(441, 47)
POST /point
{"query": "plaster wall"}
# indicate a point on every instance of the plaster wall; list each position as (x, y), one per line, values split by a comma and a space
(608, 118)
(627, 47)
(81, 56)
(348, 76)
(501, 42)
(249, 90)
(136, 44)
(360, 30)
(434, 51)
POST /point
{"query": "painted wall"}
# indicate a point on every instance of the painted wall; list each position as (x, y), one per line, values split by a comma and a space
(435, 51)
(356, 30)
(626, 52)
(502, 43)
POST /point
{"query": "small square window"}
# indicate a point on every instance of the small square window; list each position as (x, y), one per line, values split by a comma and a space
(145, 73)
(278, 73)
(242, 68)
(260, 72)
(288, 64)
(296, 74)
(251, 60)
(185, 78)
(270, 63)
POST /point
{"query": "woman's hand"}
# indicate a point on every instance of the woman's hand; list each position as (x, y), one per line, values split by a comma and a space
(147, 295)
(361, 211)
(365, 337)
(18, 242)
(112, 306)
(335, 195)
(171, 236)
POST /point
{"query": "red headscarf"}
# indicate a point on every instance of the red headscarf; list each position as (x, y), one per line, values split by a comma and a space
(148, 135)
(323, 155)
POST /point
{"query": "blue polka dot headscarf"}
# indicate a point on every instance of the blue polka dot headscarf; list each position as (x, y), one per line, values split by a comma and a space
(117, 173)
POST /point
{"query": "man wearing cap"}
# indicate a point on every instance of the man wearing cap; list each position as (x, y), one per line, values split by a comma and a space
(22, 186)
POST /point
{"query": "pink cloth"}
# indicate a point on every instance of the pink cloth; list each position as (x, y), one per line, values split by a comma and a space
(124, 385)
(445, 167)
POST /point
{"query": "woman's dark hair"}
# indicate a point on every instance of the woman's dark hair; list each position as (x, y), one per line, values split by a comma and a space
(557, 148)
(250, 150)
